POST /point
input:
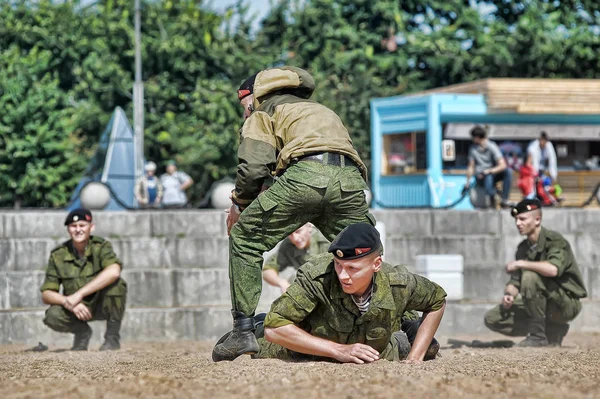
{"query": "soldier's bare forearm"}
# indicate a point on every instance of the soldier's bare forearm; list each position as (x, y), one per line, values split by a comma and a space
(272, 277)
(543, 268)
(50, 297)
(296, 339)
(106, 277)
(429, 325)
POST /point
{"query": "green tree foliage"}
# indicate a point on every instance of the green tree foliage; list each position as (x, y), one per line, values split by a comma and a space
(65, 66)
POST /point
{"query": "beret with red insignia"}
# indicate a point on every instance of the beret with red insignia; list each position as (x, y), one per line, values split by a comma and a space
(79, 214)
(356, 241)
(527, 205)
(247, 87)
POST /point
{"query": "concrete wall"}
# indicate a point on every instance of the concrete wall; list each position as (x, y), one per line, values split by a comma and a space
(175, 264)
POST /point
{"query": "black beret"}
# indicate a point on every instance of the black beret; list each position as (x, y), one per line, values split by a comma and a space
(526, 205)
(78, 214)
(356, 241)
(247, 87)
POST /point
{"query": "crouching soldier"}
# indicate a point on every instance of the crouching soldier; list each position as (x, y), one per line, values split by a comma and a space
(89, 272)
(542, 295)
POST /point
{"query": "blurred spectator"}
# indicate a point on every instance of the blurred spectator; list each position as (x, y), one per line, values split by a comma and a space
(148, 189)
(488, 165)
(542, 157)
(293, 252)
(175, 183)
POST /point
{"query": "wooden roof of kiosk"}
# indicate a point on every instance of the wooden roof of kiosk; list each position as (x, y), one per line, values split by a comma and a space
(533, 96)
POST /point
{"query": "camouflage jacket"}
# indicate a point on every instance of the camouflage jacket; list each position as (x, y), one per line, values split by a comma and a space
(287, 255)
(285, 125)
(316, 303)
(553, 248)
(66, 269)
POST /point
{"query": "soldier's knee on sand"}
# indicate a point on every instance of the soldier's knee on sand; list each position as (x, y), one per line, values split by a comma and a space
(531, 284)
(55, 318)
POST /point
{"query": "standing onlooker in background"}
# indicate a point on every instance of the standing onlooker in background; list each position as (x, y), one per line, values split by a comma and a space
(488, 165)
(175, 183)
(148, 189)
(542, 157)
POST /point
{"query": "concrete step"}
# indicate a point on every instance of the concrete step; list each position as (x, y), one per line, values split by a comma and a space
(209, 323)
(172, 223)
(135, 253)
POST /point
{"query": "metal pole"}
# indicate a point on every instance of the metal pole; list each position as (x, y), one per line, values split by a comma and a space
(138, 97)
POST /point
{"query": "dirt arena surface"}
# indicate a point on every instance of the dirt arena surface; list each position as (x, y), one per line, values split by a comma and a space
(184, 370)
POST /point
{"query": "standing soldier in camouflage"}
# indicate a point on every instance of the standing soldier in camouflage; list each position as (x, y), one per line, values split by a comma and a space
(89, 272)
(353, 307)
(321, 179)
(546, 276)
(293, 252)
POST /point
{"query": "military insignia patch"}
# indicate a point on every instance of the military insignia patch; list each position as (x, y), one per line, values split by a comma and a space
(339, 253)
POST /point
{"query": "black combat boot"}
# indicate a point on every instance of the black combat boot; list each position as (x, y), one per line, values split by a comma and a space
(403, 344)
(410, 327)
(432, 351)
(82, 337)
(556, 332)
(112, 337)
(241, 341)
(537, 334)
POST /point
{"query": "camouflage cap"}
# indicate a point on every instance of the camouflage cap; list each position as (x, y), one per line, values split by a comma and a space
(526, 205)
(356, 241)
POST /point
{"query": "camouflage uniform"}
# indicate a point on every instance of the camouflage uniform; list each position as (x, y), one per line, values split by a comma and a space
(285, 127)
(288, 255)
(316, 303)
(553, 299)
(66, 269)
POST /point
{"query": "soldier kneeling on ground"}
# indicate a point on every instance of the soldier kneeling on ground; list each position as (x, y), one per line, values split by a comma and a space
(89, 271)
(545, 284)
(350, 306)
(293, 252)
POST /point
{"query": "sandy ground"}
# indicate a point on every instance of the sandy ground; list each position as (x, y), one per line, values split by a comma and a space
(184, 370)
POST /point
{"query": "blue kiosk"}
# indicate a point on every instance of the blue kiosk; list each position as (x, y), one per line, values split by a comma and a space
(409, 134)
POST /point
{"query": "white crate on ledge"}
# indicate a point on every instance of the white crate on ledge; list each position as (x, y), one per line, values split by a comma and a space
(445, 270)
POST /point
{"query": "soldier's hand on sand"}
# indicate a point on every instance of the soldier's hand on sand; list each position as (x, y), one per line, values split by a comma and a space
(356, 353)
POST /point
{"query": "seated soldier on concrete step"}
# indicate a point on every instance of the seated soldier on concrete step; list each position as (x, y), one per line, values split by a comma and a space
(545, 284)
(293, 252)
(89, 272)
(352, 307)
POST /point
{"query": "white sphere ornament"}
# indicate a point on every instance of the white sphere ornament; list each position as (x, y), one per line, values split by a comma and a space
(220, 195)
(95, 196)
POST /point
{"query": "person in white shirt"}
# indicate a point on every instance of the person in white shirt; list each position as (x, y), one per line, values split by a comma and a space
(542, 157)
(175, 183)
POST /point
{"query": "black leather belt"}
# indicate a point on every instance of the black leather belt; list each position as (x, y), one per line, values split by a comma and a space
(328, 158)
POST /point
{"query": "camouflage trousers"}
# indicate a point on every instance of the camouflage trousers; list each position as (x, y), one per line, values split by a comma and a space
(540, 298)
(104, 307)
(331, 197)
